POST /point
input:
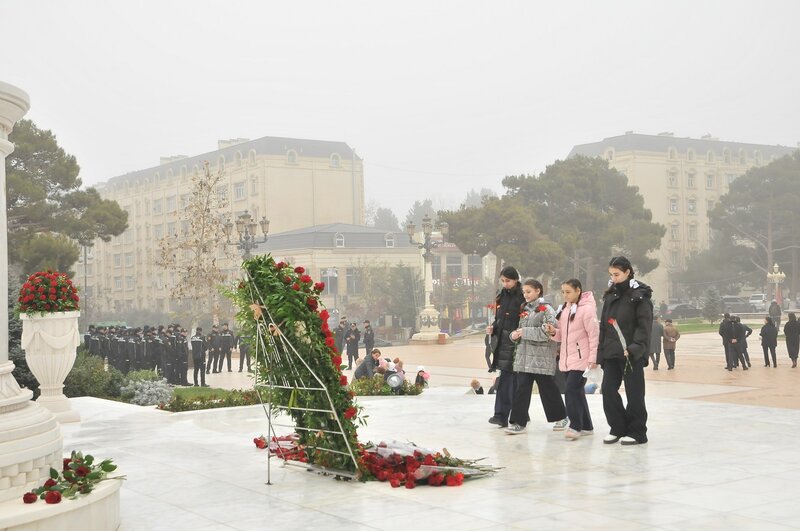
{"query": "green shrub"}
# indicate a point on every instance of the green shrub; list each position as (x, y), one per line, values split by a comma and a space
(22, 373)
(377, 386)
(88, 377)
(192, 399)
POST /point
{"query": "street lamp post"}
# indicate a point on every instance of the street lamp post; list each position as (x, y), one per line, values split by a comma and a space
(429, 317)
(776, 276)
(246, 228)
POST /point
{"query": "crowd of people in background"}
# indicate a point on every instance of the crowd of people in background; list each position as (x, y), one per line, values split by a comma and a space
(734, 335)
(167, 350)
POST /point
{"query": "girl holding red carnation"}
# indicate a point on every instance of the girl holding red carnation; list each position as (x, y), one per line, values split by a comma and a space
(535, 361)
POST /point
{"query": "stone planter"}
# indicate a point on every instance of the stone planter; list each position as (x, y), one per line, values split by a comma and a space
(50, 342)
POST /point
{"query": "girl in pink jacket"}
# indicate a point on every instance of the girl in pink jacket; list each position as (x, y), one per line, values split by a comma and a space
(578, 333)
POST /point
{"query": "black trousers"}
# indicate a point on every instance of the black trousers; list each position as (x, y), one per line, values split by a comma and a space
(669, 354)
(213, 359)
(577, 408)
(766, 356)
(199, 363)
(504, 396)
(552, 403)
(630, 420)
(224, 355)
(244, 353)
(656, 358)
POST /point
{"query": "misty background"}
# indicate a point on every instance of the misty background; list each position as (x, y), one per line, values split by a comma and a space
(438, 98)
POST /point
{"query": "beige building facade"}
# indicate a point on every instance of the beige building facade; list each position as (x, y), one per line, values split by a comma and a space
(294, 183)
(681, 179)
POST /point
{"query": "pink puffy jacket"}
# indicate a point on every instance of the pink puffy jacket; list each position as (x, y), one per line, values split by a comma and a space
(579, 336)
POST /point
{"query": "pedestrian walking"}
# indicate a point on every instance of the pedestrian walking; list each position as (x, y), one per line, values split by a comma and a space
(671, 335)
(769, 341)
(656, 335)
(775, 312)
(791, 332)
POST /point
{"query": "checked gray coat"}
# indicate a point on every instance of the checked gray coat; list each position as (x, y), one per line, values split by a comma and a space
(536, 352)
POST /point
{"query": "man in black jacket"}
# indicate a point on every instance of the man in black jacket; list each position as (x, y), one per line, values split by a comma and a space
(198, 343)
(214, 350)
(369, 339)
(728, 334)
(226, 345)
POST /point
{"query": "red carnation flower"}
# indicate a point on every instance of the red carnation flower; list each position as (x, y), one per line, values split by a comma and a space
(46, 306)
(50, 483)
(43, 297)
(324, 315)
(343, 380)
(52, 297)
(319, 286)
(52, 496)
(54, 283)
(435, 479)
(287, 280)
(350, 412)
(280, 265)
(611, 321)
(296, 286)
(382, 475)
(305, 278)
(336, 360)
(410, 484)
(312, 303)
(394, 483)
(29, 497)
(541, 308)
(299, 270)
(75, 297)
(329, 341)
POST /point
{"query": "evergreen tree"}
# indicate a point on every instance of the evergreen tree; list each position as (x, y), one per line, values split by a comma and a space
(712, 305)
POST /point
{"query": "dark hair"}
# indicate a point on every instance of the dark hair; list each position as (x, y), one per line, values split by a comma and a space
(535, 284)
(622, 263)
(510, 273)
(792, 316)
(769, 320)
(574, 283)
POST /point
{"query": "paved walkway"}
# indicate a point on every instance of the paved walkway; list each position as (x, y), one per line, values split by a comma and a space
(699, 361)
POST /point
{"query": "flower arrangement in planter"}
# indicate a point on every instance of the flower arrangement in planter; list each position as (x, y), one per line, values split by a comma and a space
(48, 292)
(79, 475)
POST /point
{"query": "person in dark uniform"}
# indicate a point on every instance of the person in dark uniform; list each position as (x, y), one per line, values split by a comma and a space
(728, 334)
(369, 338)
(351, 342)
(244, 352)
(213, 350)
(226, 345)
(171, 356)
(339, 335)
(87, 338)
(199, 348)
(94, 343)
(742, 333)
(183, 357)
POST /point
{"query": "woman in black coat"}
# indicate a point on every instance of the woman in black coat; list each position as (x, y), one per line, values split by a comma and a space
(769, 341)
(351, 344)
(628, 304)
(791, 331)
(509, 303)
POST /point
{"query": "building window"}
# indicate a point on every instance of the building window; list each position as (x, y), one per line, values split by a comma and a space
(453, 265)
(673, 205)
(742, 157)
(691, 206)
(184, 200)
(222, 193)
(673, 257)
(158, 231)
(171, 229)
(184, 170)
(389, 240)
(355, 281)
(690, 155)
(692, 232)
(710, 156)
(127, 236)
(330, 276)
(610, 154)
(171, 203)
(672, 154)
(117, 260)
(336, 161)
(254, 185)
(221, 163)
(170, 176)
(291, 157)
(128, 259)
(436, 268)
(185, 227)
(237, 159)
(117, 282)
(690, 180)
(757, 157)
(672, 179)
(709, 181)
(339, 241)
(675, 231)
(130, 282)
(238, 190)
(157, 206)
(251, 157)
(726, 156)
(196, 170)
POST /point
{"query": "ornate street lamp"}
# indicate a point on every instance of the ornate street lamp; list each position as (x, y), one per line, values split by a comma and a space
(246, 228)
(429, 317)
(776, 276)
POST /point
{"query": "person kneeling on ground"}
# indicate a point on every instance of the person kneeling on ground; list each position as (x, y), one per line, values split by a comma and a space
(475, 388)
(367, 368)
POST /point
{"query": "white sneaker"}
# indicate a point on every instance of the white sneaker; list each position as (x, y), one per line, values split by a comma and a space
(515, 429)
(584, 433)
(572, 435)
(561, 425)
(629, 441)
(611, 439)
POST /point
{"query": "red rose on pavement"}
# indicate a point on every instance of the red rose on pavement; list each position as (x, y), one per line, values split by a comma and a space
(394, 483)
(410, 484)
(299, 270)
(435, 479)
(350, 413)
(29, 497)
(52, 496)
(381, 475)
(82, 471)
(343, 380)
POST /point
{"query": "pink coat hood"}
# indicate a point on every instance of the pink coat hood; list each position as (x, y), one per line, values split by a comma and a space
(579, 335)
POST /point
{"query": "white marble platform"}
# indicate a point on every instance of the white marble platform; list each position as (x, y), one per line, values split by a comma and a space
(707, 466)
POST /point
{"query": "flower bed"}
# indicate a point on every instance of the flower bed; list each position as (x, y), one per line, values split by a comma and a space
(187, 400)
(377, 386)
(48, 292)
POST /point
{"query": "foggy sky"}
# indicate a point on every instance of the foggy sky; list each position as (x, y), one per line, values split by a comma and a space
(437, 97)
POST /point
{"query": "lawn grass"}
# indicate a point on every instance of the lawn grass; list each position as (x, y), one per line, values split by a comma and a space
(193, 393)
(696, 326)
